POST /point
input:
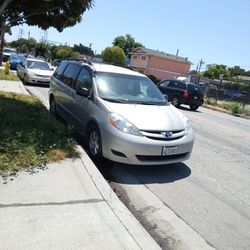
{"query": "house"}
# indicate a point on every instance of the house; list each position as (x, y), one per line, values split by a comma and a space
(159, 64)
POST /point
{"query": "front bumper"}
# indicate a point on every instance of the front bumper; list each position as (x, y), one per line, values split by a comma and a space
(38, 80)
(121, 147)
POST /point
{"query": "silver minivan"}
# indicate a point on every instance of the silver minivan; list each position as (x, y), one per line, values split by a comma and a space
(123, 115)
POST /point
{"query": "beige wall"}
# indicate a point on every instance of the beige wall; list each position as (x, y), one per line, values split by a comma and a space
(161, 68)
(139, 61)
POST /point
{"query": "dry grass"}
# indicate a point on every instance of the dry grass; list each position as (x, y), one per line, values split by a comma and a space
(30, 136)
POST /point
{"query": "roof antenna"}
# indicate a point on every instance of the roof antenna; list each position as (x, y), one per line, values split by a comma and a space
(177, 52)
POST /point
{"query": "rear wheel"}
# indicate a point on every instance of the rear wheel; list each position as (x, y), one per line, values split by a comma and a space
(194, 107)
(95, 143)
(175, 101)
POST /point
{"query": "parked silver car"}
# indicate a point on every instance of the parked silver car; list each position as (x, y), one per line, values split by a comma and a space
(33, 70)
(123, 115)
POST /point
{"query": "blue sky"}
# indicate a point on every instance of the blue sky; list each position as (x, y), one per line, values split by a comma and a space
(216, 31)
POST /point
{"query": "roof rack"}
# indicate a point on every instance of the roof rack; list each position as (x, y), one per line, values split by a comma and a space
(79, 60)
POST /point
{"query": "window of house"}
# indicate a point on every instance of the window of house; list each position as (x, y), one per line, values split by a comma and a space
(143, 58)
(134, 57)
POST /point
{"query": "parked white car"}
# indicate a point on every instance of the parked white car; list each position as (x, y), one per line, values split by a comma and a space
(32, 70)
(7, 52)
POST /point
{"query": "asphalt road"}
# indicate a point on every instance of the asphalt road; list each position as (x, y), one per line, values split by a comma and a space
(210, 191)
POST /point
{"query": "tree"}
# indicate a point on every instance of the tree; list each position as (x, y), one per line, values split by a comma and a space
(29, 44)
(42, 49)
(214, 71)
(62, 52)
(127, 43)
(236, 71)
(84, 50)
(114, 55)
(43, 13)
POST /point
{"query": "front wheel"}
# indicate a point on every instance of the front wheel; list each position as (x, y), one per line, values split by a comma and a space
(25, 79)
(194, 107)
(95, 143)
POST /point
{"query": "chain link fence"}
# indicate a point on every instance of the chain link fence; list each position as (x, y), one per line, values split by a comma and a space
(223, 90)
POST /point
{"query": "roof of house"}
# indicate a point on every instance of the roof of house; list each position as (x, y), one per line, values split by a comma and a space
(159, 54)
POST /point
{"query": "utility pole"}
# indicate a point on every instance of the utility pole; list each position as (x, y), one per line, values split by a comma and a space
(198, 69)
(21, 33)
(199, 65)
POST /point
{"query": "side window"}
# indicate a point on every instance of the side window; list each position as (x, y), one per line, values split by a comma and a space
(182, 85)
(70, 74)
(59, 71)
(164, 84)
(173, 84)
(84, 79)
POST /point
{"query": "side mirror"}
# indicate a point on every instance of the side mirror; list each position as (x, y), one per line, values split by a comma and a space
(82, 91)
(166, 97)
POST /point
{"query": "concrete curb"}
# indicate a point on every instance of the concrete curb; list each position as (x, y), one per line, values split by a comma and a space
(127, 219)
(32, 91)
(224, 111)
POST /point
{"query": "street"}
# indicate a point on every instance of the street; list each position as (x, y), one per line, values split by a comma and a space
(210, 192)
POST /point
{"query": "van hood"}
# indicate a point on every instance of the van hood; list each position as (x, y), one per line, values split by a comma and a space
(150, 117)
(41, 72)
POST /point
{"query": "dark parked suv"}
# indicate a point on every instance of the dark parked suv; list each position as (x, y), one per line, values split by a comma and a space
(182, 93)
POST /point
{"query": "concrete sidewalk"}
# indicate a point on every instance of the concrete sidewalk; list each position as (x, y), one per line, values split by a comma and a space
(67, 205)
(13, 86)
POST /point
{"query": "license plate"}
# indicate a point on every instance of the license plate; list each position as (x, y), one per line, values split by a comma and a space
(169, 150)
(195, 97)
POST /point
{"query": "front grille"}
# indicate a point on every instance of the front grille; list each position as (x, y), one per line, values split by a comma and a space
(160, 157)
(164, 135)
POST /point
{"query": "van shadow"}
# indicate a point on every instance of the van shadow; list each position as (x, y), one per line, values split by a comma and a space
(132, 175)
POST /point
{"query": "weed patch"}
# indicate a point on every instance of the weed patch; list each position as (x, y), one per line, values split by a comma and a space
(29, 135)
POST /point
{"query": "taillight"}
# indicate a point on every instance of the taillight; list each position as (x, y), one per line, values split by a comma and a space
(185, 93)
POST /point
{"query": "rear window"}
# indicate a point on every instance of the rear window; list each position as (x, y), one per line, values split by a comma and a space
(195, 87)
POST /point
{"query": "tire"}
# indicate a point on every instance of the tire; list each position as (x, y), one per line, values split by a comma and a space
(52, 106)
(95, 143)
(175, 101)
(194, 107)
(25, 80)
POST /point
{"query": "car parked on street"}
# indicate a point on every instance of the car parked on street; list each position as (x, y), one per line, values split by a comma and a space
(15, 59)
(7, 52)
(32, 70)
(180, 92)
(121, 113)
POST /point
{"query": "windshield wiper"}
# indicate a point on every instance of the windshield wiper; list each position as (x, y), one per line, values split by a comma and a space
(148, 103)
(114, 100)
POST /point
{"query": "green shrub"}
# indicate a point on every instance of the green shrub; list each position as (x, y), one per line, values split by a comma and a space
(211, 101)
(236, 108)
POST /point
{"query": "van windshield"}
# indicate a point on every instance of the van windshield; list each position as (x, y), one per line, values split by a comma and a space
(37, 65)
(128, 89)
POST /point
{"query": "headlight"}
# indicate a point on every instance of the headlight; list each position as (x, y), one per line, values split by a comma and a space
(30, 73)
(123, 124)
(188, 127)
